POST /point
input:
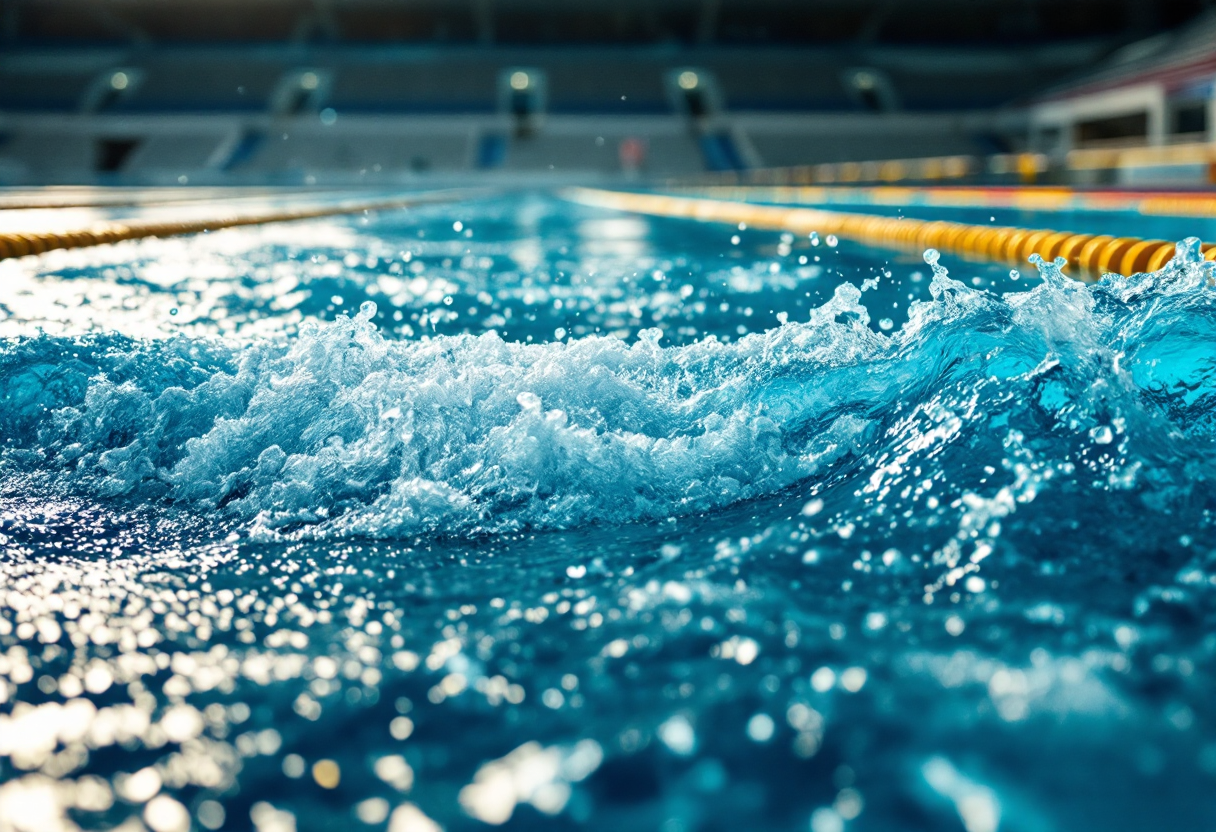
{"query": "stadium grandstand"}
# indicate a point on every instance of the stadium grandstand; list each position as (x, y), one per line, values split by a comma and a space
(313, 91)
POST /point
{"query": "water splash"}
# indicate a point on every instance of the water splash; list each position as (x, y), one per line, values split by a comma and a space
(955, 572)
(342, 431)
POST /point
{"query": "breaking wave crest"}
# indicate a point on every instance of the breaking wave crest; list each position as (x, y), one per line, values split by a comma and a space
(341, 431)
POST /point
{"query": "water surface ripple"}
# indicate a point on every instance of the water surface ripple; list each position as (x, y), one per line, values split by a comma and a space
(513, 513)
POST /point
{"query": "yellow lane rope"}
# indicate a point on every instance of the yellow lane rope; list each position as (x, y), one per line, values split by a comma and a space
(1039, 198)
(22, 244)
(1092, 255)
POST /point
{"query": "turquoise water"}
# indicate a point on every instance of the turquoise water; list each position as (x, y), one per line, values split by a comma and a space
(512, 512)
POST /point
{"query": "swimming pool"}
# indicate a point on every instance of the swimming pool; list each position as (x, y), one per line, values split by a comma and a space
(511, 511)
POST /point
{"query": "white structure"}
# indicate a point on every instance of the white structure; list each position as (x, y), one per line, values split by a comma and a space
(1154, 93)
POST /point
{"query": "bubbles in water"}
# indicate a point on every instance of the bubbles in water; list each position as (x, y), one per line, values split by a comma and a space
(678, 735)
(825, 819)
(760, 728)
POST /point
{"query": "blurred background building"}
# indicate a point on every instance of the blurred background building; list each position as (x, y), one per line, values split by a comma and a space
(391, 91)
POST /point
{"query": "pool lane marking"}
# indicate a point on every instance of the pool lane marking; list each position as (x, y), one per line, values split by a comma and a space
(1047, 199)
(20, 244)
(1092, 255)
(52, 198)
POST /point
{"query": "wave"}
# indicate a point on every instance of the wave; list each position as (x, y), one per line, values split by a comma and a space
(341, 431)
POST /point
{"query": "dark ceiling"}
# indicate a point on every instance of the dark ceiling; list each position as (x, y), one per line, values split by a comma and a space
(546, 22)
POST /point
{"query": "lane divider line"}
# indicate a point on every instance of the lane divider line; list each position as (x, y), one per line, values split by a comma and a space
(53, 198)
(1051, 199)
(19, 244)
(1091, 255)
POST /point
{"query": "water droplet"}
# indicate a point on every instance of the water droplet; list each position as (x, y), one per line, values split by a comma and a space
(760, 728)
(812, 507)
(678, 735)
(326, 773)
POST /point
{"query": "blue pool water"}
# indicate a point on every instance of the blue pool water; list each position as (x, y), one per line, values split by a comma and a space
(512, 512)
